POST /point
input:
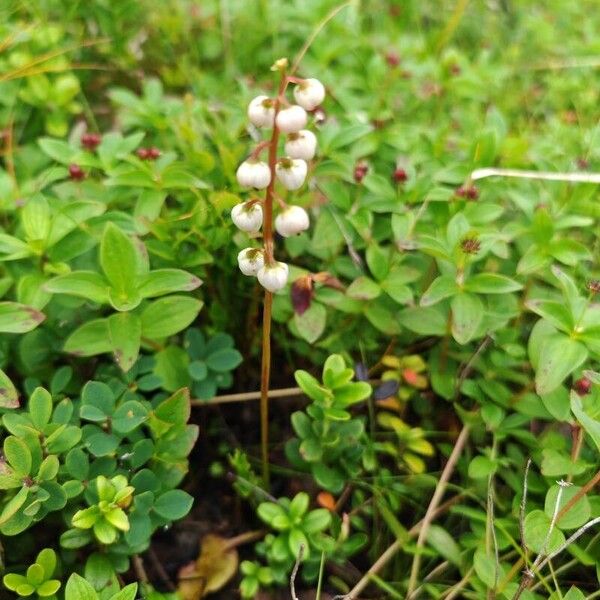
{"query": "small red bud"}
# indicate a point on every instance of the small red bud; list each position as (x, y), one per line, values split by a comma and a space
(360, 170)
(582, 386)
(467, 191)
(153, 153)
(392, 59)
(76, 173)
(399, 175)
(90, 140)
(583, 163)
(142, 153)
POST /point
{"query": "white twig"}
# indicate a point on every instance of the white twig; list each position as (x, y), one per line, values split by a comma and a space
(295, 573)
(544, 175)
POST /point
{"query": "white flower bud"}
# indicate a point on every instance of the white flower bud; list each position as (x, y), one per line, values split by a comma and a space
(292, 119)
(273, 277)
(301, 145)
(291, 221)
(251, 260)
(247, 216)
(261, 111)
(254, 174)
(291, 172)
(309, 93)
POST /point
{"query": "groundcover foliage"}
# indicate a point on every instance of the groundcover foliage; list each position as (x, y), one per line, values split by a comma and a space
(438, 328)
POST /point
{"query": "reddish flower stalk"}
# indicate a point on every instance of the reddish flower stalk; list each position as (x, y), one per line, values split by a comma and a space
(268, 301)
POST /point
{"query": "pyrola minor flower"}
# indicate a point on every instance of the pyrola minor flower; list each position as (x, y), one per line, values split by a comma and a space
(261, 111)
(273, 277)
(293, 220)
(292, 119)
(254, 174)
(309, 93)
(251, 260)
(301, 145)
(291, 172)
(247, 216)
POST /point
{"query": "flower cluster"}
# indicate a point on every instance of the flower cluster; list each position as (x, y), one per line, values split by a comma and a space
(290, 171)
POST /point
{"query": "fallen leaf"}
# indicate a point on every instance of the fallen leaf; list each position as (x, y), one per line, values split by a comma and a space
(216, 565)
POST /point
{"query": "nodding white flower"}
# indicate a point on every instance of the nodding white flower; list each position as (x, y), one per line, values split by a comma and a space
(309, 93)
(247, 216)
(291, 172)
(273, 277)
(261, 111)
(292, 119)
(301, 145)
(251, 260)
(293, 220)
(254, 174)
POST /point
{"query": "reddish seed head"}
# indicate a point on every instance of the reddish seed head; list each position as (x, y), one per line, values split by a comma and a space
(76, 173)
(455, 69)
(467, 191)
(593, 286)
(91, 140)
(148, 153)
(392, 59)
(399, 175)
(360, 170)
(470, 245)
(582, 163)
(582, 386)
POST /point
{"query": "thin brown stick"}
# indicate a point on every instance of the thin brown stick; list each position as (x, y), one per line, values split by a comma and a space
(160, 570)
(295, 573)
(433, 504)
(392, 550)
(579, 495)
(138, 567)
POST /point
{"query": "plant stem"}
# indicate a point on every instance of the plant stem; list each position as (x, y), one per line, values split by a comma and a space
(433, 504)
(391, 551)
(268, 302)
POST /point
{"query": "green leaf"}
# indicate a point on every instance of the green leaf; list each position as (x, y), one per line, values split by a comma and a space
(125, 332)
(13, 505)
(171, 367)
(78, 588)
(129, 416)
(49, 468)
(18, 318)
(90, 339)
(424, 321)
(441, 288)
(173, 505)
(12, 248)
(175, 409)
(590, 425)
(40, 407)
(363, 288)
(102, 444)
(351, 393)
(168, 316)
(316, 520)
(9, 397)
(224, 360)
(119, 260)
(555, 313)
(311, 323)
(47, 560)
(377, 261)
(167, 281)
(537, 525)
(311, 387)
(491, 283)
(35, 218)
(129, 592)
(84, 284)
(48, 588)
(559, 356)
(467, 314)
(576, 516)
(439, 539)
(18, 455)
